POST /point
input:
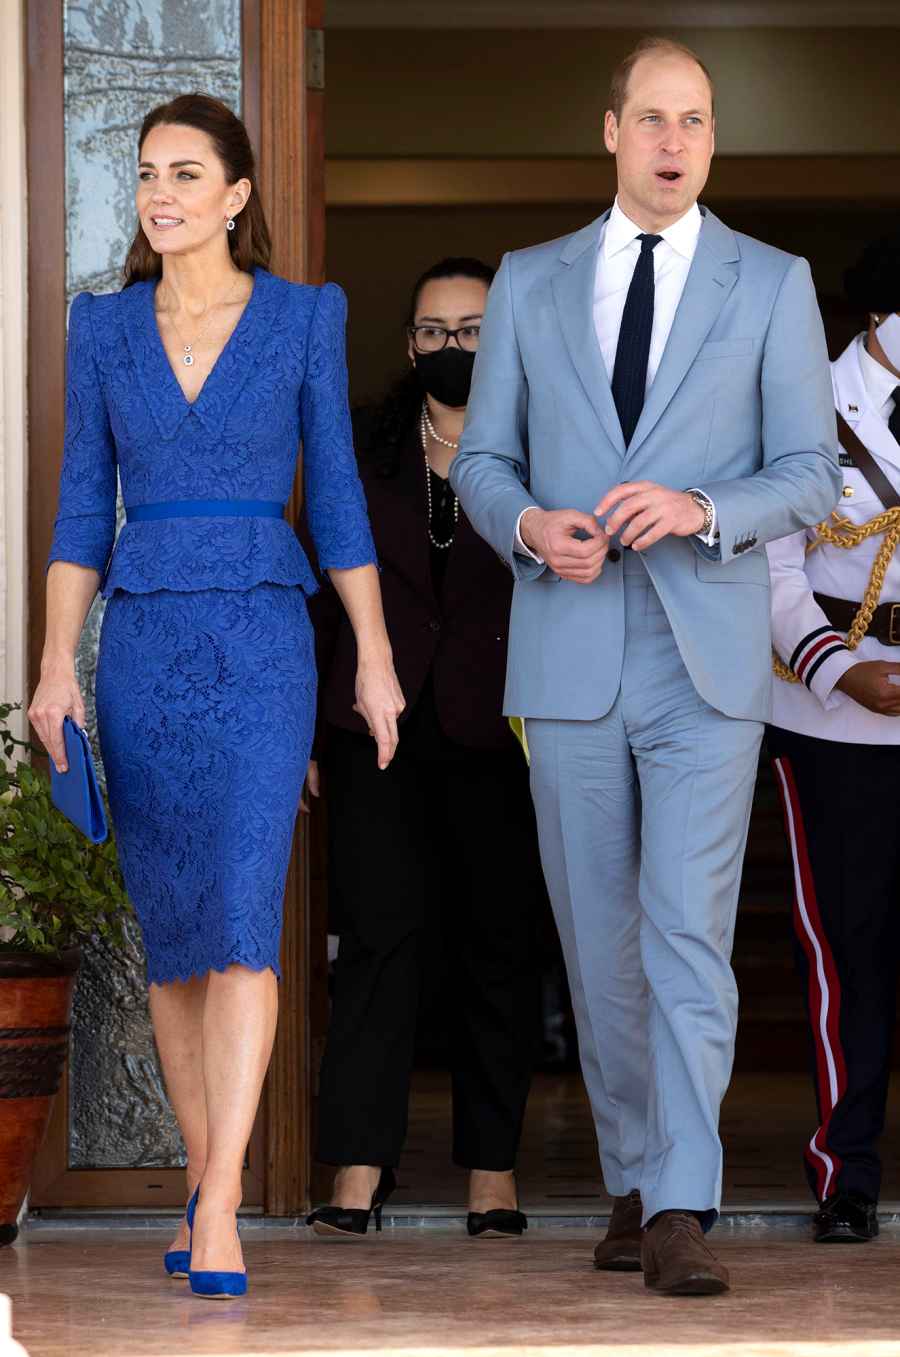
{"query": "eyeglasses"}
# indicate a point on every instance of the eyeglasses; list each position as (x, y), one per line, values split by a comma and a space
(433, 338)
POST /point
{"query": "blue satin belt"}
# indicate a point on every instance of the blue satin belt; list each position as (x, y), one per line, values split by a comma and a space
(205, 508)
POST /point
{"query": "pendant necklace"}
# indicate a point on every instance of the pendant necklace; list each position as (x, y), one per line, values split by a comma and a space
(426, 428)
(188, 355)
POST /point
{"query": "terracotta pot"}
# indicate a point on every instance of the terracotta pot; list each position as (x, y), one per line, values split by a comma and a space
(35, 1014)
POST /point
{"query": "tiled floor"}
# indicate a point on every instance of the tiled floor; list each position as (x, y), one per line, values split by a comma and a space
(436, 1293)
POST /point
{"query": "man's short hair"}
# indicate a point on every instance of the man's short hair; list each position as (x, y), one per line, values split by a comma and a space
(872, 284)
(648, 47)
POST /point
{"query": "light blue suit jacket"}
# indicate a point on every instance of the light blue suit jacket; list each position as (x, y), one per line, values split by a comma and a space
(741, 406)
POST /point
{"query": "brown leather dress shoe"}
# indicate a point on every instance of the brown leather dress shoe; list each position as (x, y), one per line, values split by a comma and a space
(676, 1259)
(620, 1251)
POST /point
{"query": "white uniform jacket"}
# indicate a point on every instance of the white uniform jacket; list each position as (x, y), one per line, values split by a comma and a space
(801, 632)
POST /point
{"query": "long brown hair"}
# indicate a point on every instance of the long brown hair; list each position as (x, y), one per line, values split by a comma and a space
(249, 242)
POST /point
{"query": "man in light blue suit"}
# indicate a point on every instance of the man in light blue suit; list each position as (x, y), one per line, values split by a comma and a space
(651, 405)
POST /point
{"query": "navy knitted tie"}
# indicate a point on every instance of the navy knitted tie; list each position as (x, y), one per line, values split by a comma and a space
(629, 381)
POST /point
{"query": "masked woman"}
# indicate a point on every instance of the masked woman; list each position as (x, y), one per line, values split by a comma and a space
(449, 827)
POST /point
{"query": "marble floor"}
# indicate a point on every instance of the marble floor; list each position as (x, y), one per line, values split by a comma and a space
(82, 1289)
(435, 1292)
(767, 1119)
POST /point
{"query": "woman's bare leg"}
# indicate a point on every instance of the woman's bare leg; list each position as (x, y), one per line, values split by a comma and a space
(177, 1012)
(489, 1191)
(354, 1186)
(239, 1020)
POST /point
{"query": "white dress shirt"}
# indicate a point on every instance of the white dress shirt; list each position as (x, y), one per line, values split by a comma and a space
(880, 383)
(616, 259)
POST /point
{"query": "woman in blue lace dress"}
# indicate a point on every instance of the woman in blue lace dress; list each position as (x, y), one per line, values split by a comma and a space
(194, 385)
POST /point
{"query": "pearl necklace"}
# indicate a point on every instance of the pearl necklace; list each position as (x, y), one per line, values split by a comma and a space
(431, 429)
(425, 427)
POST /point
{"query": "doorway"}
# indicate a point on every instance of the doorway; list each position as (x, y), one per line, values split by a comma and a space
(770, 1112)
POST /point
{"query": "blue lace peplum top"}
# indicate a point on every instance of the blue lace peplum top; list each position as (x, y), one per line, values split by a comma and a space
(281, 377)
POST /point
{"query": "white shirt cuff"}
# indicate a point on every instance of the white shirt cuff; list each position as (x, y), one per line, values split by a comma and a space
(822, 684)
(520, 546)
(711, 539)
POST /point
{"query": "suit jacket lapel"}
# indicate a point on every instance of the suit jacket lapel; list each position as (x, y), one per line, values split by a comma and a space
(230, 372)
(712, 275)
(241, 354)
(573, 293)
(155, 377)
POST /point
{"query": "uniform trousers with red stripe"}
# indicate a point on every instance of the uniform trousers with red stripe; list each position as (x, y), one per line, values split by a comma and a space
(842, 814)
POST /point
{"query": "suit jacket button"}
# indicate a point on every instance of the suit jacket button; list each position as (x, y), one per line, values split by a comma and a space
(614, 554)
(434, 625)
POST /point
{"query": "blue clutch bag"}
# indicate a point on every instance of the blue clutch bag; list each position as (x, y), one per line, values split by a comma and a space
(77, 793)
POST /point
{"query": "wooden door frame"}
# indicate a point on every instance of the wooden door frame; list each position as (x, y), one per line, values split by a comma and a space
(286, 129)
(286, 122)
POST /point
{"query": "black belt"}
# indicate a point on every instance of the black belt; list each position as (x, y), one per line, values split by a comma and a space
(885, 624)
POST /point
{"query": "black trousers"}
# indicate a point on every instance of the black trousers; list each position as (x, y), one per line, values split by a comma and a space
(842, 814)
(443, 829)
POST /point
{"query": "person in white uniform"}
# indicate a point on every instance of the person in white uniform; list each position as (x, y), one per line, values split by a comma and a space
(835, 745)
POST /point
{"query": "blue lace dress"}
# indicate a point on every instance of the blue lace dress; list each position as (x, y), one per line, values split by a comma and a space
(206, 674)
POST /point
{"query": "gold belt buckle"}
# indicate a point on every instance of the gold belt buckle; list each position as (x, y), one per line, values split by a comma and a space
(894, 625)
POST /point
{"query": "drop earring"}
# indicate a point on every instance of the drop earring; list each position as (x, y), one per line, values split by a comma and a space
(229, 225)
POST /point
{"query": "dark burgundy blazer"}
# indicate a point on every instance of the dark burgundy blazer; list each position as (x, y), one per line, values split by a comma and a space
(463, 637)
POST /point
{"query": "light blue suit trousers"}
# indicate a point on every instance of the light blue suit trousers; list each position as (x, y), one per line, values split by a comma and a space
(643, 819)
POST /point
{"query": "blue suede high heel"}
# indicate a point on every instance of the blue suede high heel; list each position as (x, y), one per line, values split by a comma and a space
(177, 1263)
(212, 1285)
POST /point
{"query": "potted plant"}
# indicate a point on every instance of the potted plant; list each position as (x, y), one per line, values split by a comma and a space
(56, 890)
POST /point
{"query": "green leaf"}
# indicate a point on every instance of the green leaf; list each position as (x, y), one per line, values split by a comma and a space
(56, 888)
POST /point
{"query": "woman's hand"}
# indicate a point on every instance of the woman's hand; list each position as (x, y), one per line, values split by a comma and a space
(56, 697)
(313, 786)
(379, 701)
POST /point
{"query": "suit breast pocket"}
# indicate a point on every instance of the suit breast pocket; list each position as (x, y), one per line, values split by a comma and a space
(725, 348)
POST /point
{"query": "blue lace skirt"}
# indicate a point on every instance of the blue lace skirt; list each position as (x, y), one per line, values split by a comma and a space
(205, 709)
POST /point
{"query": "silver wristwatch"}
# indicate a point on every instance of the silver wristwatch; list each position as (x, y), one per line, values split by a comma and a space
(709, 513)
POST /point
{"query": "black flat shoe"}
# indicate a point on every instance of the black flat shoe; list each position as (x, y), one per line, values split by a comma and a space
(500, 1224)
(846, 1218)
(349, 1222)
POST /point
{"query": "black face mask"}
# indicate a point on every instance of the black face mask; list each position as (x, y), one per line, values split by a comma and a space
(446, 375)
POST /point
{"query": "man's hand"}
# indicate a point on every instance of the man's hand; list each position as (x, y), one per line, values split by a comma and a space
(869, 685)
(649, 512)
(551, 533)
